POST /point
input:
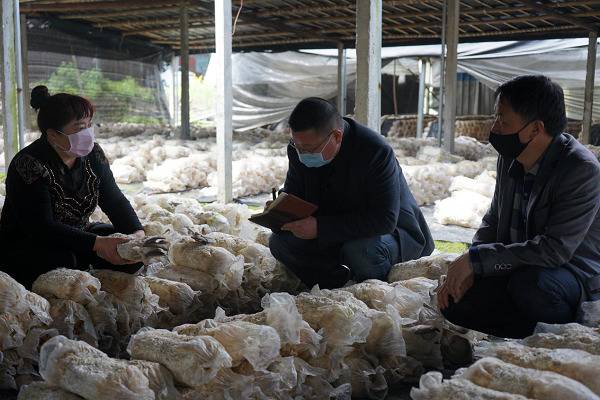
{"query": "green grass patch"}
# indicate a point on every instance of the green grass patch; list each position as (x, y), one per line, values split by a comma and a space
(255, 209)
(451, 247)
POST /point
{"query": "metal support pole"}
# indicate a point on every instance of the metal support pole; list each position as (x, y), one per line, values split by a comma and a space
(586, 126)
(185, 73)
(428, 86)
(477, 98)
(19, 75)
(25, 61)
(450, 81)
(394, 88)
(420, 103)
(175, 98)
(9, 82)
(442, 73)
(341, 95)
(224, 99)
(368, 58)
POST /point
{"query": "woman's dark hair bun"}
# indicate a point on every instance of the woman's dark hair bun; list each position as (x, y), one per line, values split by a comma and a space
(39, 96)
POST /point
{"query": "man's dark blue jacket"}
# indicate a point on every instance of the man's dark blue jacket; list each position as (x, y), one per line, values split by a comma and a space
(361, 193)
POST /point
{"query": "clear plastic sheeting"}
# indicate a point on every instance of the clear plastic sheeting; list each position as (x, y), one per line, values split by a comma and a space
(193, 360)
(193, 258)
(24, 324)
(142, 249)
(565, 67)
(339, 323)
(590, 313)
(432, 387)
(72, 320)
(378, 295)
(575, 364)
(287, 378)
(498, 375)
(432, 267)
(160, 379)
(570, 336)
(266, 86)
(79, 368)
(256, 344)
(17, 300)
(297, 337)
(67, 284)
(44, 391)
(132, 292)
(127, 305)
(423, 343)
(178, 298)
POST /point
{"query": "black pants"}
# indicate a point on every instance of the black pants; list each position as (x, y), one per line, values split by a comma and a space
(25, 261)
(511, 306)
(367, 258)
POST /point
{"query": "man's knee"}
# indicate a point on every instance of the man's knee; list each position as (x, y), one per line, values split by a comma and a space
(299, 256)
(453, 313)
(276, 244)
(294, 252)
(545, 294)
(461, 313)
(367, 258)
(282, 244)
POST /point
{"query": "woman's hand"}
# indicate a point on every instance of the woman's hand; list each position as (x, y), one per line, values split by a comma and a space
(106, 248)
(139, 234)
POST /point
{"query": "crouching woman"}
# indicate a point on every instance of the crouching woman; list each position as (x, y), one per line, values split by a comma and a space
(52, 187)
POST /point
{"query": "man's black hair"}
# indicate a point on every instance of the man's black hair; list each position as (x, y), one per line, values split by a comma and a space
(536, 97)
(315, 113)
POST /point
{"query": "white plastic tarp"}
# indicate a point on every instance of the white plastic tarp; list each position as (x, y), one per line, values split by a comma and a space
(507, 48)
(266, 86)
(562, 60)
(565, 67)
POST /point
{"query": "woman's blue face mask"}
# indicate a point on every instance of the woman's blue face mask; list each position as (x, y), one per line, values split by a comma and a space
(313, 159)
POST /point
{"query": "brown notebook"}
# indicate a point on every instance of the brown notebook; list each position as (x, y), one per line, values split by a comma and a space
(286, 208)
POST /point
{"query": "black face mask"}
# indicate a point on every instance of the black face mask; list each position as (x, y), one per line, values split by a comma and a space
(508, 145)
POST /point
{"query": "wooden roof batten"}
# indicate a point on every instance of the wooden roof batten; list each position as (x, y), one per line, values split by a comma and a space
(295, 24)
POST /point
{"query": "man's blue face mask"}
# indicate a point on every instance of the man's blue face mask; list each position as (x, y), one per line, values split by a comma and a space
(313, 160)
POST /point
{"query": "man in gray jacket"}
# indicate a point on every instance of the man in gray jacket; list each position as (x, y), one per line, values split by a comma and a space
(536, 255)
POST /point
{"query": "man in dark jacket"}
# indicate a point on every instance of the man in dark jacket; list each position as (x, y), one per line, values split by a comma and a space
(367, 218)
(536, 255)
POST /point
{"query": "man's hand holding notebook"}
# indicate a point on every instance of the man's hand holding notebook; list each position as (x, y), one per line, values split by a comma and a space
(286, 208)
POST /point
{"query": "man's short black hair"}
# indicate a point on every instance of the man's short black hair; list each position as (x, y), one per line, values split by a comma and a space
(536, 97)
(315, 113)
